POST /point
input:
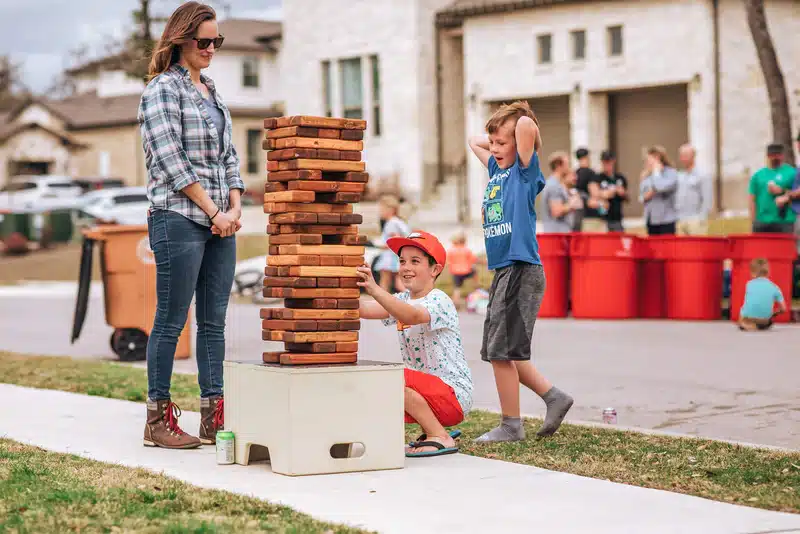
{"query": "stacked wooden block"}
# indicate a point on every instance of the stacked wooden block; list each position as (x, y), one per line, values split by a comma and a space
(315, 176)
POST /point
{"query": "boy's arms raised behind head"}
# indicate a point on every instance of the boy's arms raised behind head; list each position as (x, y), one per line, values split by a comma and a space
(480, 147)
(528, 139)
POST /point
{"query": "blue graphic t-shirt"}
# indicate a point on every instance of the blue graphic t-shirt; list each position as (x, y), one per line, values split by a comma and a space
(509, 218)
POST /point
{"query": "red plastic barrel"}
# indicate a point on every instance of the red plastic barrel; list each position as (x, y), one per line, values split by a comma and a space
(651, 294)
(693, 276)
(554, 252)
(604, 279)
(780, 250)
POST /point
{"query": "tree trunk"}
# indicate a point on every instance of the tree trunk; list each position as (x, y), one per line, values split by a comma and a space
(773, 77)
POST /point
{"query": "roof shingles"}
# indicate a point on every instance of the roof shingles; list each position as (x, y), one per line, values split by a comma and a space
(454, 14)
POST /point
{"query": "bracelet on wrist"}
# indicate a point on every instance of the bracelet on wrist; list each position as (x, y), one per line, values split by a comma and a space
(217, 213)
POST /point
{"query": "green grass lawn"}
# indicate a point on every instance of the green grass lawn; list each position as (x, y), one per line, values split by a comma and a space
(706, 468)
(41, 491)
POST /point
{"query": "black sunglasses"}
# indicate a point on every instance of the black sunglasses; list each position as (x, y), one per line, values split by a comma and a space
(202, 44)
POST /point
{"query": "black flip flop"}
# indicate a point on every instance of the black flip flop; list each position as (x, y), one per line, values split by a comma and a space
(441, 449)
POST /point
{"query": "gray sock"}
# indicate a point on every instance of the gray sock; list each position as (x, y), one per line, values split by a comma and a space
(558, 404)
(510, 429)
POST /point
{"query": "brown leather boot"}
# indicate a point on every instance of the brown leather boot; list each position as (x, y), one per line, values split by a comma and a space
(212, 418)
(162, 428)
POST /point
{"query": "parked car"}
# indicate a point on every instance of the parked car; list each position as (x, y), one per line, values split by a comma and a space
(34, 192)
(95, 184)
(120, 205)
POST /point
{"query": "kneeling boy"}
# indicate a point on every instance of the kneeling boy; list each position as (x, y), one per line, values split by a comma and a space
(438, 382)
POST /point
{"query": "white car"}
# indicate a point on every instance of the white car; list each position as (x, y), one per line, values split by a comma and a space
(37, 192)
(120, 205)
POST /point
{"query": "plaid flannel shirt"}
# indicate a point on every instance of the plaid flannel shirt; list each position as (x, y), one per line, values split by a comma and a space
(181, 145)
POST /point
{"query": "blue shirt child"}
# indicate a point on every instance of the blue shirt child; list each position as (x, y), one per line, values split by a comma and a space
(509, 218)
(760, 296)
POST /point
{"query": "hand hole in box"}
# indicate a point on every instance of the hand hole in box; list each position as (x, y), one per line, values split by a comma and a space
(348, 450)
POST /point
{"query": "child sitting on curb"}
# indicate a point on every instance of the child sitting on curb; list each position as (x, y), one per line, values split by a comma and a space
(438, 381)
(760, 297)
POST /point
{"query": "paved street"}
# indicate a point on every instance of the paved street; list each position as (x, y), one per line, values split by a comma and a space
(705, 379)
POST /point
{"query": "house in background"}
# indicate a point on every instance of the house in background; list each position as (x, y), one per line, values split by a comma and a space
(95, 132)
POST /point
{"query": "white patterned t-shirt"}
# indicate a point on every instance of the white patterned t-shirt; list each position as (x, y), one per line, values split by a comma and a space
(435, 348)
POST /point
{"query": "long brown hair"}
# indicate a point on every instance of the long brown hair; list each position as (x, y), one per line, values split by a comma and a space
(661, 152)
(181, 27)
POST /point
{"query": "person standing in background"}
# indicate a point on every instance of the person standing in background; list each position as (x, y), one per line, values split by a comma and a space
(595, 206)
(694, 197)
(770, 208)
(561, 201)
(614, 188)
(657, 192)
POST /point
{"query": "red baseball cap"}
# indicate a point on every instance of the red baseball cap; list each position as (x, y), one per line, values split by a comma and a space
(421, 240)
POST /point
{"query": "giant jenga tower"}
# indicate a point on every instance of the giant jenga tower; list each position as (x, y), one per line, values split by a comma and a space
(315, 176)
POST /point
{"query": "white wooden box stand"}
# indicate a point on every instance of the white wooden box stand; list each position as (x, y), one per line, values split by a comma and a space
(299, 413)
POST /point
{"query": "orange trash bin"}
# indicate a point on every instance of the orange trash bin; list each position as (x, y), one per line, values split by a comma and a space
(604, 277)
(554, 253)
(128, 271)
(693, 276)
(780, 250)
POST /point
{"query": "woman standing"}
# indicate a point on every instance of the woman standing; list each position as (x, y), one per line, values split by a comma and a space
(657, 192)
(195, 193)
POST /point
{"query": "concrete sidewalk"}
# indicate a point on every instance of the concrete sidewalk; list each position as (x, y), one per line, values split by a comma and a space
(457, 493)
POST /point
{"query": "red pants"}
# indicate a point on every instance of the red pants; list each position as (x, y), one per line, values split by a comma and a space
(439, 396)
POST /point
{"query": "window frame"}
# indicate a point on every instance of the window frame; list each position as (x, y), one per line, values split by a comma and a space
(253, 151)
(352, 112)
(253, 77)
(541, 38)
(610, 32)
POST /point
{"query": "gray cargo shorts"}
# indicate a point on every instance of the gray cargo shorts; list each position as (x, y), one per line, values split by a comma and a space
(514, 301)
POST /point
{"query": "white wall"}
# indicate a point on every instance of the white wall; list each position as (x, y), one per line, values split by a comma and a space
(665, 42)
(227, 72)
(37, 114)
(107, 83)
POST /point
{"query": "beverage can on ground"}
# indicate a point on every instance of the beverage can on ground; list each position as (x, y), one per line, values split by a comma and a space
(225, 441)
(610, 416)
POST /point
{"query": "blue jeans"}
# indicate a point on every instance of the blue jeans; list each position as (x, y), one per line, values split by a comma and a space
(190, 261)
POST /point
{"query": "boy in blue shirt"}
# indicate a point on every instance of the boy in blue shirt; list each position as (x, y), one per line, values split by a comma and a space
(509, 228)
(760, 296)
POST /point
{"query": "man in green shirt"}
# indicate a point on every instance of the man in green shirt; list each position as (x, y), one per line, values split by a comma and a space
(770, 208)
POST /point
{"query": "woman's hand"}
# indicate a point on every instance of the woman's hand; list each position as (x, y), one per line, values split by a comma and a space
(367, 280)
(224, 224)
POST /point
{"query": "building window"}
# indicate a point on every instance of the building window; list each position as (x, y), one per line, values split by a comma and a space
(545, 44)
(327, 97)
(615, 41)
(578, 44)
(352, 83)
(376, 95)
(250, 72)
(253, 150)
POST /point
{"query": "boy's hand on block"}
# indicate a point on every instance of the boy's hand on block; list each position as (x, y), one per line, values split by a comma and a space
(367, 279)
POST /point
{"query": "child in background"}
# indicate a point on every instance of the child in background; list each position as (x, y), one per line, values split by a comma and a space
(438, 381)
(760, 297)
(462, 265)
(387, 264)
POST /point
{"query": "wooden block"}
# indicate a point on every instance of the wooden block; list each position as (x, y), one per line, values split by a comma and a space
(316, 164)
(324, 272)
(273, 229)
(274, 187)
(328, 133)
(347, 346)
(337, 325)
(289, 281)
(292, 131)
(273, 250)
(346, 239)
(291, 358)
(272, 335)
(303, 259)
(314, 142)
(327, 153)
(291, 153)
(348, 304)
(322, 250)
(295, 218)
(275, 357)
(349, 261)
(352, 135)
(328, 282)
(284, 207)
(285, 176)
(349, 155)
(326, 187)
(270, 124)
(268, 144)
(331, 261)
(320, 337)
(293, 326)
(339, 198)
(328, 346)
(355, 177)
(312, 304)
(330, 218)
(276, 271)
(352, 218)
(267, 313)
(314, 314)
(347, 282)
(295, 239)
(325, 122)
(290, 196)
(318, 293)
(315, 229)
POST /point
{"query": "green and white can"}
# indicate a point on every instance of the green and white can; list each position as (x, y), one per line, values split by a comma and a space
(225, 452)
